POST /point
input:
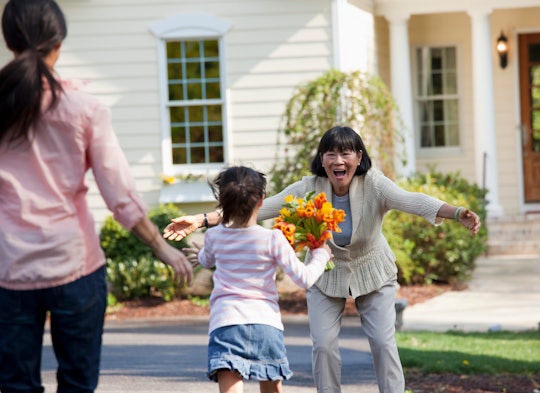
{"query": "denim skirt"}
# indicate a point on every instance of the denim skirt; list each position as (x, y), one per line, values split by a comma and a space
(256, 351)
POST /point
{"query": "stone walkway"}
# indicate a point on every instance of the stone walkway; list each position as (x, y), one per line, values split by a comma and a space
(504, 294)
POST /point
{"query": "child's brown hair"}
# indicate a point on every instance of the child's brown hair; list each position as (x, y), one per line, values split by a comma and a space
(238, 189)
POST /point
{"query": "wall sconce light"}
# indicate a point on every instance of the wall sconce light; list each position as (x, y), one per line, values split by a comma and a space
(502, 50)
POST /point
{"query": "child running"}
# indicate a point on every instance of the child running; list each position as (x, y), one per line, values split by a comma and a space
(246, 331)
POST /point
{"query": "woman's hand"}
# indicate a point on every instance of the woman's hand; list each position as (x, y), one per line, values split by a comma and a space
(183, 269)
(469, 220)
(464, 216)
(149, 234)
(180, 227)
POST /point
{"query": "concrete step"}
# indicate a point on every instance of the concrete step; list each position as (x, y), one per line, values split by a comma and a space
(519, 235)
(513, 248)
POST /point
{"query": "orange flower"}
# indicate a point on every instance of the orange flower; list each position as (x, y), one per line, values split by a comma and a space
(319, 200)
(306, 211)
(326, 235)
(325, 213)
(288, 229)
(308, 222)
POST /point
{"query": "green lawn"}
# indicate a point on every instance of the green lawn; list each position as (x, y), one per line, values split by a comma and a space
(470, 353)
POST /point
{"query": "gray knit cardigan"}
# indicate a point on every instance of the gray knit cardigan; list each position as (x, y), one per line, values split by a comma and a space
(367, 262)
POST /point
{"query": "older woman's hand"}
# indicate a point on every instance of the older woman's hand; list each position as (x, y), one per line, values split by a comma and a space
(180, 227)
(469, 220)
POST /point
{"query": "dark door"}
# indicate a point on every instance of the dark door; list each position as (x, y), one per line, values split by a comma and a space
(529, 74)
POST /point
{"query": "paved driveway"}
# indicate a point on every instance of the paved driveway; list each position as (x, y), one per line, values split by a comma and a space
(170, 356)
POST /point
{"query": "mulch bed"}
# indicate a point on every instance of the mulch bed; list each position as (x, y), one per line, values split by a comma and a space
(452, 383)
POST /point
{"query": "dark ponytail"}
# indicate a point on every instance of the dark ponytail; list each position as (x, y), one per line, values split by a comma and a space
(32, 29)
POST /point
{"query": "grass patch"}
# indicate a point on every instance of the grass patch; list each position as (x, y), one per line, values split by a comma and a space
(202, 301)
(470, 353)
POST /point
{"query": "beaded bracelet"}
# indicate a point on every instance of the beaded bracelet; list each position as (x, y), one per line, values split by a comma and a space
(456, 214)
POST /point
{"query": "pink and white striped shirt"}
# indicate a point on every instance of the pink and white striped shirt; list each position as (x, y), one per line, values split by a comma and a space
(246, 261)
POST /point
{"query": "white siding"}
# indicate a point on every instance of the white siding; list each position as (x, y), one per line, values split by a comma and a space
(267, 56)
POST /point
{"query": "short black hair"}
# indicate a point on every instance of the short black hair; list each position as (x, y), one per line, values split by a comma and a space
(341, 138)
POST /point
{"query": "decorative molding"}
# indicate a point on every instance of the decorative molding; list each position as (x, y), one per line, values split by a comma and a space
(190, 25)
(400, 8)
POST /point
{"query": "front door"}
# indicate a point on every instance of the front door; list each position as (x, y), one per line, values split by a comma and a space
(529, 75)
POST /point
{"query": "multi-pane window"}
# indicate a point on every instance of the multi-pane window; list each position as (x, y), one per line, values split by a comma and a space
(195, 102)
(437, 96)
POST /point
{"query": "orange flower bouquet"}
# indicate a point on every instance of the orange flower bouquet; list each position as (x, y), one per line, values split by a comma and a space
(307, 222)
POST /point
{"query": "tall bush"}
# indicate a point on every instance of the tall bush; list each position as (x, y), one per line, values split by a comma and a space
(444, 253)
(132, 270)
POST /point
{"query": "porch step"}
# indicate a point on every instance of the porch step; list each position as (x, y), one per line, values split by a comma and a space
(519, 235)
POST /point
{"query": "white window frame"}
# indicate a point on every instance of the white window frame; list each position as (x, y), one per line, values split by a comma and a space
(438, 150)
(190, 26)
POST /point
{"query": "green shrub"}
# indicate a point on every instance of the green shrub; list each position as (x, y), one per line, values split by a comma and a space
(444, 253)
(140, 278)
(132, 270)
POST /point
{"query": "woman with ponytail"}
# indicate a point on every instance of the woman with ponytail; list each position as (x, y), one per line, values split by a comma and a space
(51, 262)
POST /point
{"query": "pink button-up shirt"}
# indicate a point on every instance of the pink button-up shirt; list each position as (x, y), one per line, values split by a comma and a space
(48, 235)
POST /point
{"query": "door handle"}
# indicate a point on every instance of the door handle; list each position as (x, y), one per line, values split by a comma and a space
(524, 129)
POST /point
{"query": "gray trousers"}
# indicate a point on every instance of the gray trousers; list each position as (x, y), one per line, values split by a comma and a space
(378, 316)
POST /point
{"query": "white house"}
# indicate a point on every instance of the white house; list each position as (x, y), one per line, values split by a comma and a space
(197, 85)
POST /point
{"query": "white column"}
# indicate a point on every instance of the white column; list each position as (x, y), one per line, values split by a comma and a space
(337, 16)
(402, 88)
(349, 22)
(484, 110)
